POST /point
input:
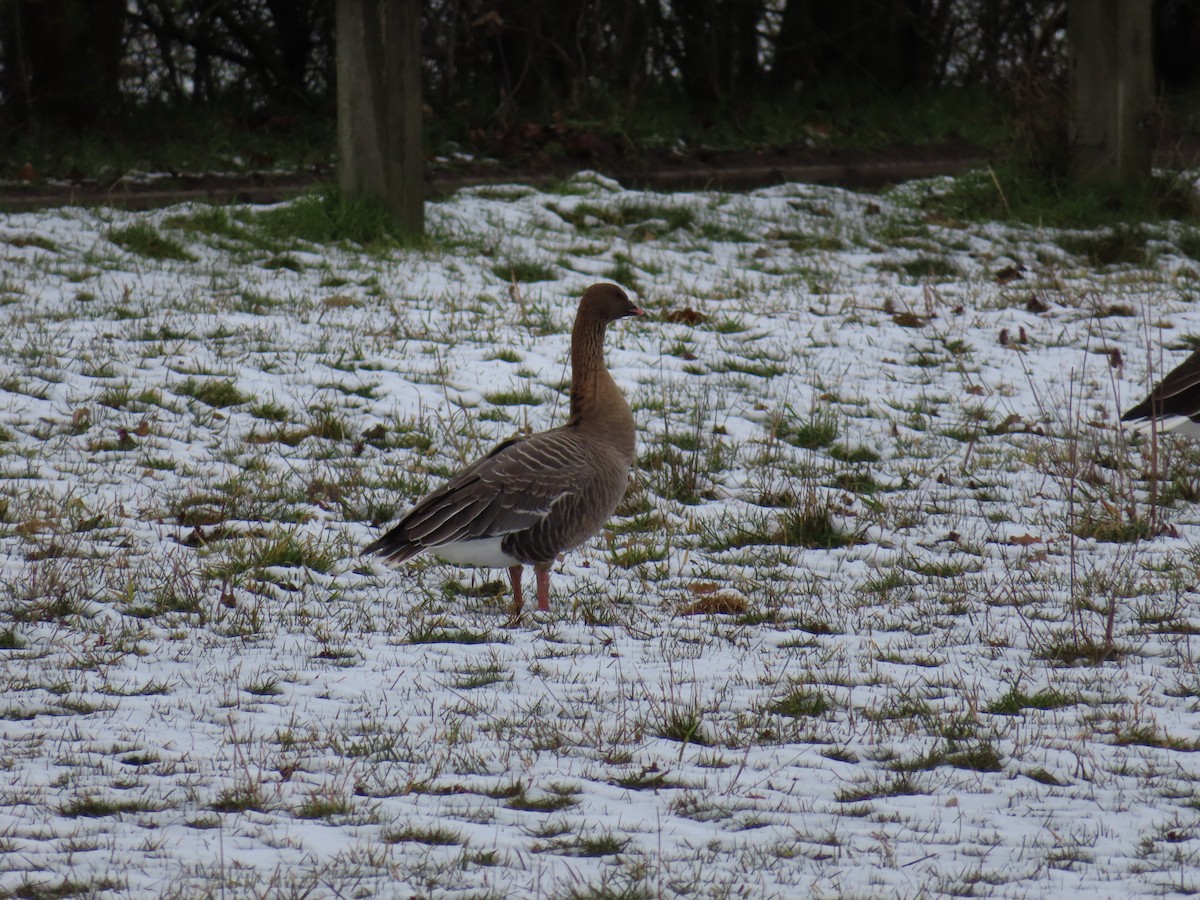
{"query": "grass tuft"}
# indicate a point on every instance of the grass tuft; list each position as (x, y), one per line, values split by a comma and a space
(218, 393)
(145, 240)
(800, 702)
(331, 217)
(684, 726)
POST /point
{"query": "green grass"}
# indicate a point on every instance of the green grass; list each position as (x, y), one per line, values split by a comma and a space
(552, 801)
(807, 523)
(433, 835)
(30, 888)
(224, 227)
(283, 261)
(215, 392)
(1120, 244)
(652, 219)
(646, 779)
(923, 268)
(808, 432)
(594, 845)
(283, 551)
(95, 807)
(854, 454)
(1010, 192)
(1070, 650)
(269, 411)
(31, 240)
(239, 799)
(145, 240)
(685, 726)
(215, 137)
(674, 474)
(331, 217)
(1110, 525)
(521, 395)
(800, 702)
(1016, 701)
(519, 269)
(438, 633)
(323, 805)
(875, 788)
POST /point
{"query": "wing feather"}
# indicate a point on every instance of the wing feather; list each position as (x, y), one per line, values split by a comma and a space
(511, 489)
(1177, 395)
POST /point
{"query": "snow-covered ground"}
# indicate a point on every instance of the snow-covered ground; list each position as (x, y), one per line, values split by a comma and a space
(206, 692)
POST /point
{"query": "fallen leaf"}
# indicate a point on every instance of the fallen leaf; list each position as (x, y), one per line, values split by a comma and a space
(1036, 304)
(1010, 273)
(1024, 540)
(685, 316)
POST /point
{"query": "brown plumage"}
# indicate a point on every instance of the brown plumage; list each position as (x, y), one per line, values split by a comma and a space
(532, 498)
(1174, 404)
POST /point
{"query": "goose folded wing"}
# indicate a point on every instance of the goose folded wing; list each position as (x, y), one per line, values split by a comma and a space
(1175, 395)
(511, 489)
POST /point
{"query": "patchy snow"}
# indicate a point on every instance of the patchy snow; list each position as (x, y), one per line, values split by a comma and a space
(207, 693)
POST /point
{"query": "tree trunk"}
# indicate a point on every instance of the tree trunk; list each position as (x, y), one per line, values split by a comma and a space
(1112, 91)
(379, 105)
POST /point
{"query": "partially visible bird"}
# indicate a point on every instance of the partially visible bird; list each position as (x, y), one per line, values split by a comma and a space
(1174, 404)
(532, 498)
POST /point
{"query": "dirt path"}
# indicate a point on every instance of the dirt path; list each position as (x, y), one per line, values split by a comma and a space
(728, 171)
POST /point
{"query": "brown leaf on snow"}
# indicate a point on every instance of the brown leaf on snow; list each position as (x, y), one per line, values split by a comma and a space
(1010, 273)
(685, 316)
(1024, 540)
(908, 320)
(1036, 304)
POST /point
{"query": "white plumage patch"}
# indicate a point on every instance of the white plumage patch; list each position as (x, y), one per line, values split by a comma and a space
(1178, 424)
(479, 552)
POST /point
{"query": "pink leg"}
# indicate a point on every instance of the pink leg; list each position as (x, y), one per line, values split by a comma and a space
(543, 587)
(514, 575)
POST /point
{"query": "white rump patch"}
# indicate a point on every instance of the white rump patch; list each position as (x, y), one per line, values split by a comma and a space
(480, 552)
(1178, 424)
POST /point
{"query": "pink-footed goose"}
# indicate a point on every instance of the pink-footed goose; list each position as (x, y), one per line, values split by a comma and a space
(1174, 404)
(535, 497)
